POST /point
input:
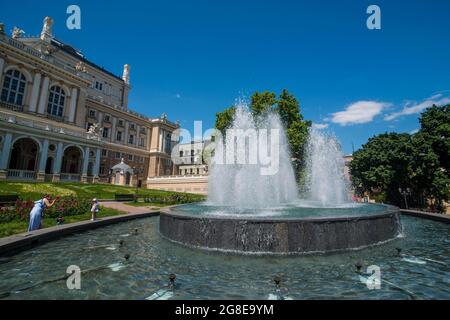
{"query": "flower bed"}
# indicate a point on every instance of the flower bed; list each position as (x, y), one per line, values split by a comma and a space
(63, 207)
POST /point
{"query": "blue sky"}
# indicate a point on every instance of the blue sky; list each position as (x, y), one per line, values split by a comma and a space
(191, 59)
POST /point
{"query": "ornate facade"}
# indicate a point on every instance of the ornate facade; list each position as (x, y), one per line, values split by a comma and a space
(63, 118)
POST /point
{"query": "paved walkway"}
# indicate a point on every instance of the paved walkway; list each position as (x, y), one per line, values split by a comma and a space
(126, 207)
(427, 215)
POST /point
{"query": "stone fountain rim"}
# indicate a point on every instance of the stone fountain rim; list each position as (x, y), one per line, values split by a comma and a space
(390, 210)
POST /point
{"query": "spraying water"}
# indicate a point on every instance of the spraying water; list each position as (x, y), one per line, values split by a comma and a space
(252, 167)
(325, 181)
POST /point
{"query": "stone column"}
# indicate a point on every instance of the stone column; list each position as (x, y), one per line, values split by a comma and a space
(43, 161)
(97, 165)
(148, 138)
(100, 124)
(113, 130)
(44, 94)
(73, 104)
(35, 92)
(58, 162)
(160, 143)
(6, 151)
(138, 135)
(85, 165)
(127, 124)
(2, 64)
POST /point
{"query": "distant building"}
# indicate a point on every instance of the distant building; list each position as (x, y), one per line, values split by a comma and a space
(192, 160)
(64, 118)
(192, 170)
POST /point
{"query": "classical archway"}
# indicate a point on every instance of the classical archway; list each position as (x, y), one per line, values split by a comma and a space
(24, 155)
(72, 160)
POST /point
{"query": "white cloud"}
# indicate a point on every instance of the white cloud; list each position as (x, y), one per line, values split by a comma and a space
(359, 112)
(414, 131)
(414, 108)
(320, 126)
(436, 96)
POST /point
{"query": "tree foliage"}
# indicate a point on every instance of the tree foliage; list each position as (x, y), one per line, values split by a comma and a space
(419, 163)
(224, 119)
(263, 103)
(288, 107)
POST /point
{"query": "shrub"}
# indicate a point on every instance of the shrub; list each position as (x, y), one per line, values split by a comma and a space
(63, 207)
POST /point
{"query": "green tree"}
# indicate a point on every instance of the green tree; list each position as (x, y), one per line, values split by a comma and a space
(288, 108)
(296, 128)
(383, 165)
(435, 124)
(419, 162)
(224, 119)
(429, 181)
(262, 103)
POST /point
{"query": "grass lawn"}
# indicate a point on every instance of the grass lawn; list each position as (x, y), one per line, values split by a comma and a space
(19, 226)
(35, 190)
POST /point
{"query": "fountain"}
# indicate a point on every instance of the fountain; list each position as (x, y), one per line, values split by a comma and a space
(325, 182)
(254, 206)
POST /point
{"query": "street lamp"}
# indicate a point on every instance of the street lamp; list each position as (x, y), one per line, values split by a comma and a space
(405, 192)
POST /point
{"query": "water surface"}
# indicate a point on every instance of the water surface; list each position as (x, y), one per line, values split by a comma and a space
(209, 275)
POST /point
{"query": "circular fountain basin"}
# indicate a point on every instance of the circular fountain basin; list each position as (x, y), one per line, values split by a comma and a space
(291, 229)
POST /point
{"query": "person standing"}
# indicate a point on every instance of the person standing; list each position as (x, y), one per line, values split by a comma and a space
(94, 209)
(37, 212)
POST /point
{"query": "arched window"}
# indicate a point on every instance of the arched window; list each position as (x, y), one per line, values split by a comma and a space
(13, 87)
(56, 100)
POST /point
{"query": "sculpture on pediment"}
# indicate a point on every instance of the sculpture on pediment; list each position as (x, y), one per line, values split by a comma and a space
(94, 131)
(17, 33)
(2, 28)
(80, 67)
(48, 50)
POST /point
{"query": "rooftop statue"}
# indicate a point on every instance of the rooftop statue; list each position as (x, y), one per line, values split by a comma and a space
(47, 28)
(17, 33)
(126, 73)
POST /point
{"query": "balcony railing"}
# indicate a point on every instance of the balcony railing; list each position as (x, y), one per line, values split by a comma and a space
(57, 118)
(21, 174)
(10, 106)
(69, 177)
(23, 121)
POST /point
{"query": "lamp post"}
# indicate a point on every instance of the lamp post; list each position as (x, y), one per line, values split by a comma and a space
(405, 192)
